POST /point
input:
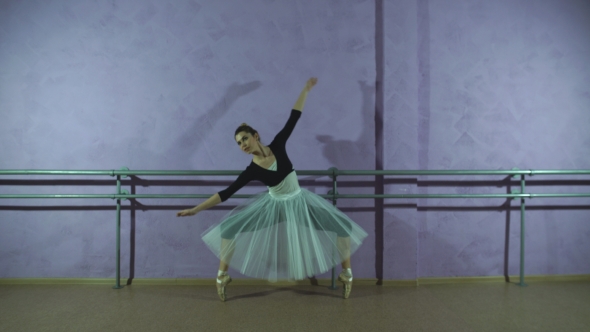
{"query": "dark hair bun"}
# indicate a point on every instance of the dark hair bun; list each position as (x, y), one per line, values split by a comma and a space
(246, 128)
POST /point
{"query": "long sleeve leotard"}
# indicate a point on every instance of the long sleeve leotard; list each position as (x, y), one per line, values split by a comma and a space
(256, 172)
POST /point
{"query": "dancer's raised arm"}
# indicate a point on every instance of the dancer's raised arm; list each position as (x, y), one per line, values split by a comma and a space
(209, 203)
(303, 95)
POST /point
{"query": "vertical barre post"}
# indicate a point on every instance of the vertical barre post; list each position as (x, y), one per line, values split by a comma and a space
(333, 169)
(118, 257)
(522, 231)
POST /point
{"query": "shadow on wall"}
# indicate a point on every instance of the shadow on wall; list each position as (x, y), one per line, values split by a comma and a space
(347, 154)
(192, 137)
(201, 128)
(362, 154)
(336, 151)
(194, 134)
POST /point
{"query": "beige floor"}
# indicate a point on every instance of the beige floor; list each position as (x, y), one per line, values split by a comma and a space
(542, 306)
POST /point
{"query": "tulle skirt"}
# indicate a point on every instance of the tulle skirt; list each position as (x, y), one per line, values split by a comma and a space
(284, 237)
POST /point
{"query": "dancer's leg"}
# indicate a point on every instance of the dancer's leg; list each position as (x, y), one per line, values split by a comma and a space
(223, 266)
(343, 244)
(227, 251)
(346, 263)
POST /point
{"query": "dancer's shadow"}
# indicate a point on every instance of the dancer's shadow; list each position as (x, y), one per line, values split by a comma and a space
(198, 132)
(179, 152)
(359, 154)
(281, 289)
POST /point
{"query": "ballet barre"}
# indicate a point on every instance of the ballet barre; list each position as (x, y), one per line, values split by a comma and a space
(333, 173)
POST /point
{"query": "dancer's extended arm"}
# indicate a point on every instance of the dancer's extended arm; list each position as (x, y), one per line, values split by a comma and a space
(303, 95)
(209, 203)
(221, 196)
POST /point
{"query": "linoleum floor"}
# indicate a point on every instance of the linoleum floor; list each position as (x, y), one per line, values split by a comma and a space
(542, 306)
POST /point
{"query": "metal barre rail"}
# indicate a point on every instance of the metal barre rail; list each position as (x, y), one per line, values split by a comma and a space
(332, 172)
(337, 196)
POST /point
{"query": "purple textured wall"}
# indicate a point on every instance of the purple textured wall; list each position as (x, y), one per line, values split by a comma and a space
(508, 87)
(162, 85)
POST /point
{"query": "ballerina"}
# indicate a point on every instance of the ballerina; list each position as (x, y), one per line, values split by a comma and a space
(286, 232)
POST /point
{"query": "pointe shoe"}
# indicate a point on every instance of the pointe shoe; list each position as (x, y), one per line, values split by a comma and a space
(346, 284)
(221, 282)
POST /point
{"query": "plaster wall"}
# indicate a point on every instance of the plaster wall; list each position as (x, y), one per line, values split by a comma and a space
(162, 85)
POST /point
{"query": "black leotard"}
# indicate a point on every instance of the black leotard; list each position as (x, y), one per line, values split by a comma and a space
(256, 172)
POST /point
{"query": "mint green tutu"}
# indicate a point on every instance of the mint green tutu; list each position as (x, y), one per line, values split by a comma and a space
(287, 233)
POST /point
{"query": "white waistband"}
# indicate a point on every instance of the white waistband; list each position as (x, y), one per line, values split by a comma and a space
(288, 188)
(285, 196)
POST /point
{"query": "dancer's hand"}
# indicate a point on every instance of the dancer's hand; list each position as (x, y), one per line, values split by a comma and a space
(310, 83)
(186, 213)
(303, 95)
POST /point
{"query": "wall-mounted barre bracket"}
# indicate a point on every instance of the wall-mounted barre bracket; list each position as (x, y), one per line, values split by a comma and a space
(124, 192)
(516, 176)
(334, 174)
(124, 168)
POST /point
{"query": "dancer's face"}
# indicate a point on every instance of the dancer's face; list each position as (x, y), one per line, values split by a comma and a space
(247, 142)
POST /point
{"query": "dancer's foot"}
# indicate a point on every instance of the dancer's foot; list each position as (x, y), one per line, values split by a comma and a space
(346, 280)
(222, 281)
